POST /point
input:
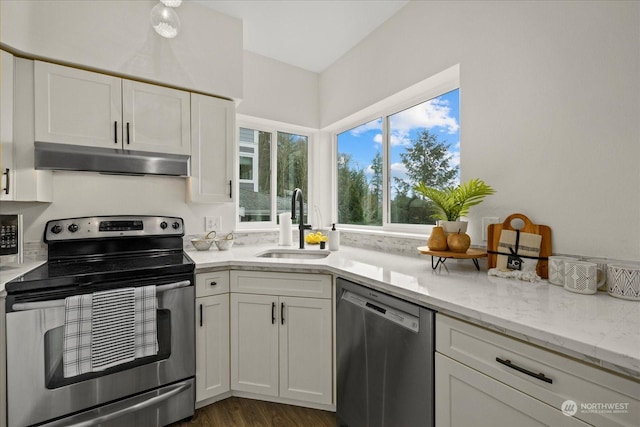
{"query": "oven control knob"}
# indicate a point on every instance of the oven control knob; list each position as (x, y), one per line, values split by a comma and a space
(73, 228)
(175, 225)
(163, 224)
(56, 229)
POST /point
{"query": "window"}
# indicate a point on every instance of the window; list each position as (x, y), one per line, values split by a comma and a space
(359, 175)
(379, 162)
(268, 174)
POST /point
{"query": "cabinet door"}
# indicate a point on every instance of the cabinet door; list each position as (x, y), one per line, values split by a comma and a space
(254, 343)
(212, 150)
(6, 126)
(212, 346)
(77, 107)
(155, 118)
(305, 349)
(466, 397)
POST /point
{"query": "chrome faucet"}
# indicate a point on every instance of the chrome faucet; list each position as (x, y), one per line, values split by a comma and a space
(297, 194)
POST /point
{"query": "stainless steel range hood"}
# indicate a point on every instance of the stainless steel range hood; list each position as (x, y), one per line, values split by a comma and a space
(112, 161)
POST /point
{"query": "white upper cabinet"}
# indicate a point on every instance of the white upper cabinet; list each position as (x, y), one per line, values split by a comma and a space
(77, 107)
(212, 150)
(80, 107)
(20, 181)
(155, 118)
(6, 125)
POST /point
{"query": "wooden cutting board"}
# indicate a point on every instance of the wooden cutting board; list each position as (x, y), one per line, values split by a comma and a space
(493, 238)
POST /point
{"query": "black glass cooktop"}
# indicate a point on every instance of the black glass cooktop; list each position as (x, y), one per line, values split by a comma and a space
(102, 271)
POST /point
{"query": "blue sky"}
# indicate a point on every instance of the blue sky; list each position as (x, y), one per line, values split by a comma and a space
(439, 115)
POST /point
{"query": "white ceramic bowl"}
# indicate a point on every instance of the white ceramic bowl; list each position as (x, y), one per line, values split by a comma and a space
(224, 244)
(202, 244)
(623, 281)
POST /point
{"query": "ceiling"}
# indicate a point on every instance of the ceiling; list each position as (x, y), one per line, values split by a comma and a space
(310, 34)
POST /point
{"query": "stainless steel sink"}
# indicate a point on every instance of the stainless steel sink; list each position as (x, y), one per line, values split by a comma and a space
(294, 254)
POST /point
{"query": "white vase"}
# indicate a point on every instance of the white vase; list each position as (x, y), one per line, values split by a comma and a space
(451, 227)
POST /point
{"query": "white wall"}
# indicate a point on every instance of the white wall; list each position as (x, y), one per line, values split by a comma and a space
(117, 37)
(77, 194)
(550, 100)
(278, 91)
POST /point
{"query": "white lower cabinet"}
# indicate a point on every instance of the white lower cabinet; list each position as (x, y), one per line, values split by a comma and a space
(484, 378)
(254, 343)
(305, 349)
(466, 397)
(212, 347)
(281, 339)
(212, 335)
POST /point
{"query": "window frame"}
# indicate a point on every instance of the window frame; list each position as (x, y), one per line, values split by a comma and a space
(272, 127)
(426, 90)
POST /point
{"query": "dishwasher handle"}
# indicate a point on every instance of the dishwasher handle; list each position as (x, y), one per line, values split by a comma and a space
(391, 314)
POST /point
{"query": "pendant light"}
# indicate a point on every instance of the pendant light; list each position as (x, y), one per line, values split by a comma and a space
(164, 19)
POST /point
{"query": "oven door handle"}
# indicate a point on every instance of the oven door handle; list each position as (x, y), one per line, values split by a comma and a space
(24, 306)
(156, 400)
(176, 285)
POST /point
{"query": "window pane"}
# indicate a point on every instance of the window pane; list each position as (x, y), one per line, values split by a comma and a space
(246, 168)
(292, 169)
(360, 174)
(424, 147)
(255, 175)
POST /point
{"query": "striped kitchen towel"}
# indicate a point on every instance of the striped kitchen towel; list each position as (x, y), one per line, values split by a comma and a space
(146, 336)
(113, 328)
(106, 329)
(518, 251)
(76, 355)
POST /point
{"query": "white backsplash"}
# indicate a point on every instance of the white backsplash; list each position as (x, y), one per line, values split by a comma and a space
(400, 245)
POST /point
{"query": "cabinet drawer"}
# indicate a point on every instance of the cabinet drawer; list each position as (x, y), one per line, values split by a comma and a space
(465, 397)
(213, 283)
(285, 284)
(602, 398)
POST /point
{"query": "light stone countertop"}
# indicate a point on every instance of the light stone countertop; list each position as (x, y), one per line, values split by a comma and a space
(598, 329)
(10, 271)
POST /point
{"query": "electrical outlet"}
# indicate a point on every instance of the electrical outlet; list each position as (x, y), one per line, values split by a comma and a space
(485, 223)
(212, 223)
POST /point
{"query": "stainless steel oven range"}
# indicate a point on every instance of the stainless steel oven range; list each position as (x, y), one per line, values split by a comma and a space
(103, 333)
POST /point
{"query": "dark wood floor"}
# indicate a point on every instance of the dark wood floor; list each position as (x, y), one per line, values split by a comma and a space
(237, 412)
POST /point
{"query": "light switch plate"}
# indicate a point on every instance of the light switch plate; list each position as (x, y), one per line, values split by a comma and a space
(212, 223)
(485, 224)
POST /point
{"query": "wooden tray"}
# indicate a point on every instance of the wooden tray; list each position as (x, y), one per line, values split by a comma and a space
(472, 254)
(493, 238)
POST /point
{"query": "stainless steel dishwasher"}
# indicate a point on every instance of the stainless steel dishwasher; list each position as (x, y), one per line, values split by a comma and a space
(385, 360)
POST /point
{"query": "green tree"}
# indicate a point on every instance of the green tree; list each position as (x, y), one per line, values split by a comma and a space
(292, 164)
(428, 160)
(353, 191)
(375, 193)
(425, 160)
(264, 162)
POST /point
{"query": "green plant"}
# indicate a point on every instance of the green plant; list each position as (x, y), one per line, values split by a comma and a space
(454, 202)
